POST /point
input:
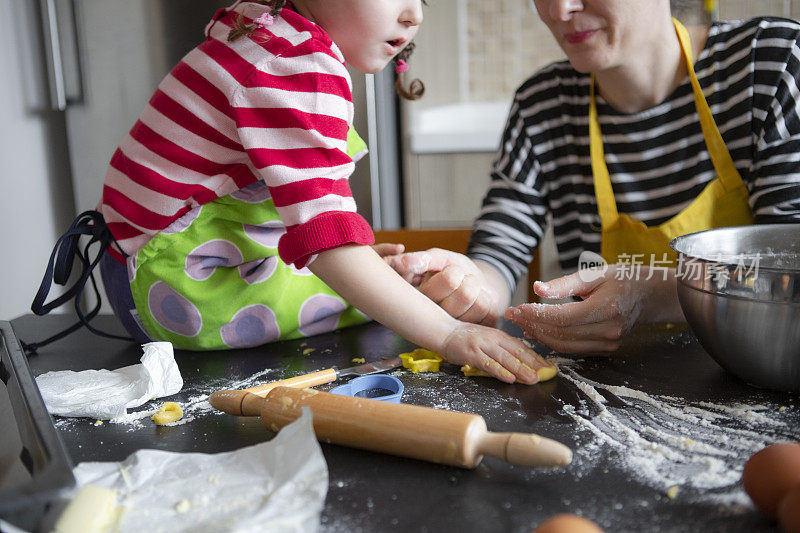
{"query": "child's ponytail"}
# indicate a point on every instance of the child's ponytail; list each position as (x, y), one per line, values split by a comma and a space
(240, 29)
(416, 88)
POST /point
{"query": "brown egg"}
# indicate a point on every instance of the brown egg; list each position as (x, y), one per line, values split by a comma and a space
(789, 511)
(568, 523)
(770, 474)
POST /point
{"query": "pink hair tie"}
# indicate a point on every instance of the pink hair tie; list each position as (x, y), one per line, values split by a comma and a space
(401, 67)
(264, 20)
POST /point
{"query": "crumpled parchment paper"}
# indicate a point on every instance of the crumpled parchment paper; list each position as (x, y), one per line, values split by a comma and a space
(106, 394)
(276, 486)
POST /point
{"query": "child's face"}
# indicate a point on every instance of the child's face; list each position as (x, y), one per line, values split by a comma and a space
(368, 32)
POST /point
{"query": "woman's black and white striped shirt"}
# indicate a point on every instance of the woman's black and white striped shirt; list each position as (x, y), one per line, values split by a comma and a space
(658, 161)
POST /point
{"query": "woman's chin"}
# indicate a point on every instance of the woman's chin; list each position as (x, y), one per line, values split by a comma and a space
(587, 65)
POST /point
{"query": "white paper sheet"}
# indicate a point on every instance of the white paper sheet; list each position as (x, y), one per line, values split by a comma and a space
(276, 486)
(106, 394)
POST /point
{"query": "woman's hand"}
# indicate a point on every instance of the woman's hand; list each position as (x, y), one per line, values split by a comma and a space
(453, 281)
(493, 351)
(611, 306)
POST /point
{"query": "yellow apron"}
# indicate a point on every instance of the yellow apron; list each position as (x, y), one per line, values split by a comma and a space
(723, 202)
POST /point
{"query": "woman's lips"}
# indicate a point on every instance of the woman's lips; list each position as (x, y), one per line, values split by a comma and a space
(579, 36)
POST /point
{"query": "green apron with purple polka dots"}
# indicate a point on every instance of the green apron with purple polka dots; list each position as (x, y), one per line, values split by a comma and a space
(213, 280)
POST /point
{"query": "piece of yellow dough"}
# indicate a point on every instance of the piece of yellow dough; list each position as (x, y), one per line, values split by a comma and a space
(169, 412)
(92, 510)
(545, 374)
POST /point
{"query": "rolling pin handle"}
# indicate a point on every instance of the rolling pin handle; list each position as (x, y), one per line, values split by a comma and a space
(236, 402)
(525, 449)
(298, 382)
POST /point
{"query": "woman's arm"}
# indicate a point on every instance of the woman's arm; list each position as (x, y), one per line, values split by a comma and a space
(472, 291)
(360, 276)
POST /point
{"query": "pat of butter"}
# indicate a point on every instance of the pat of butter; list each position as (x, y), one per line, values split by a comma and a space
(93, 510)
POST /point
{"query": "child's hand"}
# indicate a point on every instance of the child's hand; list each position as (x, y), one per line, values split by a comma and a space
(493, 351)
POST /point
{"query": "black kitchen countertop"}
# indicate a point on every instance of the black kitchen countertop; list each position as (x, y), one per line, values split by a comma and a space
(375, 492)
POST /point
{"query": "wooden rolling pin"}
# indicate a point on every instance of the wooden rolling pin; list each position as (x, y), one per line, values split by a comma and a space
(437, 435)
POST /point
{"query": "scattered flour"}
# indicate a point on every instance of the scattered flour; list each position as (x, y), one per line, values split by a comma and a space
(451, 391)
(670, 442)
(196, 405)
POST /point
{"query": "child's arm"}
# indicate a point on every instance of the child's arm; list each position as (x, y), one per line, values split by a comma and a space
(361, 277)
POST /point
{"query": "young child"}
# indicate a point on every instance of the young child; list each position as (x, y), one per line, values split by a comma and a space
(232, 218)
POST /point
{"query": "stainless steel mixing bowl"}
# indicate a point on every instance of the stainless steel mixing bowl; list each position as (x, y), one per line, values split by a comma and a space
(739, 289)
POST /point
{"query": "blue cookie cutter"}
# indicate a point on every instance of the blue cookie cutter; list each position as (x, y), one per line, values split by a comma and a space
(375, 387)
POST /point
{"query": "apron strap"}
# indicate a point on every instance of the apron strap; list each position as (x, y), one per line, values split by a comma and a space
(90, 224)
(606, 205)
(720, 157)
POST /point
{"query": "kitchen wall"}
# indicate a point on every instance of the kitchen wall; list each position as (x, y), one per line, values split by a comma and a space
(468, 52)
(738, 9)
(36, 200)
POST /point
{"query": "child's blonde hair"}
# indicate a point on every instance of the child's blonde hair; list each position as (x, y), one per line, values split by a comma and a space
(414, 91)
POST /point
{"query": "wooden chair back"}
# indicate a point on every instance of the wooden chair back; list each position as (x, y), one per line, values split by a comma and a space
(417, 240)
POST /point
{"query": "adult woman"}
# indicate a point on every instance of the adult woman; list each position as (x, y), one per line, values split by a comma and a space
(633, 141)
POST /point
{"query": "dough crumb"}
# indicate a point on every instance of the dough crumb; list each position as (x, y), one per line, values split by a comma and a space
(168, 413)
(98, 422)
(470, 371)
(672, 492)
(183, 506)
(308, 351)
(358, 360)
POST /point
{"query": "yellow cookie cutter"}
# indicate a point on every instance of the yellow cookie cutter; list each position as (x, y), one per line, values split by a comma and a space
(421, 360)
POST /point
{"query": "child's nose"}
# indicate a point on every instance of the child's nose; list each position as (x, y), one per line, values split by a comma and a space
(412, 14)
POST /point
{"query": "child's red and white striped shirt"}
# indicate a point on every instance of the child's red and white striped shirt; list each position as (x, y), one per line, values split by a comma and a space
(275, 105)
